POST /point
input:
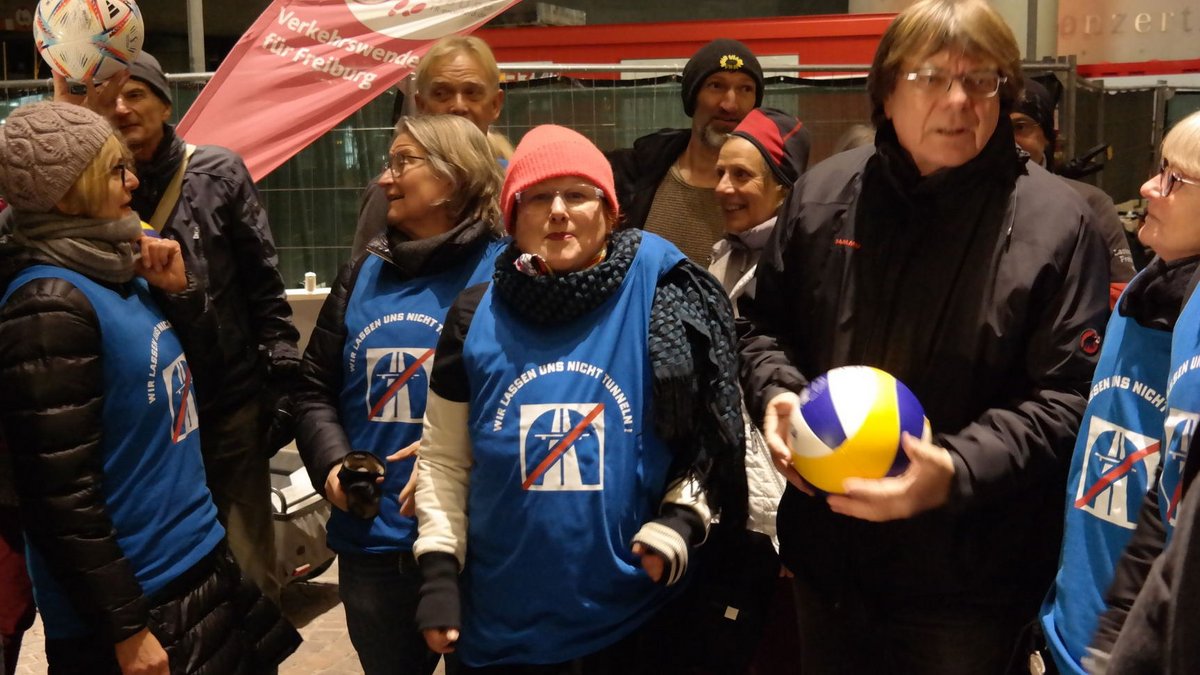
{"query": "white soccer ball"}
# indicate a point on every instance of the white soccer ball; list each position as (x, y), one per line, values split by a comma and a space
(88, 39)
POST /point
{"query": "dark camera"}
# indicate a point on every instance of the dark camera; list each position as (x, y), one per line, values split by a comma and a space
(358, 476)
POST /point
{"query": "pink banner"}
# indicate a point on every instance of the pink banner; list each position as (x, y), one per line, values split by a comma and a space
(306, 65)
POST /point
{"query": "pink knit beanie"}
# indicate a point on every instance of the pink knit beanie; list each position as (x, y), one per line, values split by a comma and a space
(551, 151)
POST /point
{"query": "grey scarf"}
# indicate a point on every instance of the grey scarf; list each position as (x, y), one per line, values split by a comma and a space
(100, 249)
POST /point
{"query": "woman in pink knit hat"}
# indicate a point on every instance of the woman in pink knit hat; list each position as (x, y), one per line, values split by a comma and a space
(584, 405)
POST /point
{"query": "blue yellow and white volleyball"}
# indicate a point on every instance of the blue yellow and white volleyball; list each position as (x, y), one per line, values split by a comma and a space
(848, 425)
(88, 39)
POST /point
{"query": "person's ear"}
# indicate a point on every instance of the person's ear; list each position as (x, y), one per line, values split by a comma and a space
(497, 104)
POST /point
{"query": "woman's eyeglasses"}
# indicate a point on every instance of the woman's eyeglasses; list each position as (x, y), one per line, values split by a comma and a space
(579, 198)
(1168, 178)
(396, 163)
(122, 170)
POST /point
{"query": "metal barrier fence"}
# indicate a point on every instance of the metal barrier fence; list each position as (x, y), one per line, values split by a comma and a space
(313, 198)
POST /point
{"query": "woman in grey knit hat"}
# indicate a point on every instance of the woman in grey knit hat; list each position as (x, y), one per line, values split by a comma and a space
(129, 564)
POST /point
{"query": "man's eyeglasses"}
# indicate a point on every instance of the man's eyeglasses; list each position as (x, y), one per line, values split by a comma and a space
(577, 199)
(1168, 178)
(979, 84)
(397, 162)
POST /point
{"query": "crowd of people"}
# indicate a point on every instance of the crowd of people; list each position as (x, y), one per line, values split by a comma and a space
(549, 396)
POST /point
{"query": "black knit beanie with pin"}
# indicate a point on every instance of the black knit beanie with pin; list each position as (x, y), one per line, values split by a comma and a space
(721, 54)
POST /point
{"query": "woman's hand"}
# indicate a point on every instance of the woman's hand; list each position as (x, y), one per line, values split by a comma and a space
(441, 640)
(408, 505)
(652, 562)
(141, 654)
(161, 264)
(777, 425)
(333, 489)
(923, 486)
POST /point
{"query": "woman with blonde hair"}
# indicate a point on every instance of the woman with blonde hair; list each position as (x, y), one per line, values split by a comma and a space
(366, 372)
(1149, 625)
(130, 567)
(939, 255)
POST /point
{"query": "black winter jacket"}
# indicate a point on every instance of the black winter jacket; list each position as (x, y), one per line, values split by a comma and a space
(222, 228)
(51, 406)
(209, 620)
(1159, 633)
(981, 288)
(638, 171)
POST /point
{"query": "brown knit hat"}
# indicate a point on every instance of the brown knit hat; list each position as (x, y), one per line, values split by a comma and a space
(551, 151)
(44, 148)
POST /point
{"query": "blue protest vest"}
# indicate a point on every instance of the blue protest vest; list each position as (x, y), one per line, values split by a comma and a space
(567, 469)
(392, 327)
(153, 474)
(1116, 455)
(1183, 410)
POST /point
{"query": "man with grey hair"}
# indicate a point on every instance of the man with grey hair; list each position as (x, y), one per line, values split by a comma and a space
(457, 76)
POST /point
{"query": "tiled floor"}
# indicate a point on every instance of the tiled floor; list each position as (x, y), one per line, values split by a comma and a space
(313, 607)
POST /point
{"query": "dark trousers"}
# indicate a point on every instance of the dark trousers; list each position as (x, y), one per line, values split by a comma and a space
(239, 478)
(379, 593)
(858, 634)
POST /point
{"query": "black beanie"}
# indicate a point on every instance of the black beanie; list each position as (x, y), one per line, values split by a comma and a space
(145, 69)
(720, 54)
(1037, 102)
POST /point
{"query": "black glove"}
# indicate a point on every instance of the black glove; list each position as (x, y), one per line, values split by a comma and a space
(277, 420)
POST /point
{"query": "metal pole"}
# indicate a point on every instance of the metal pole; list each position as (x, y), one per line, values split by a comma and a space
(195, 10)
(1162, 94)
(1101, 134)
(1031, 32)
(1072, 89)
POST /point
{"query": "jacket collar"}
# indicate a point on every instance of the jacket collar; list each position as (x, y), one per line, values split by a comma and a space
(421, 257)
(155, 175)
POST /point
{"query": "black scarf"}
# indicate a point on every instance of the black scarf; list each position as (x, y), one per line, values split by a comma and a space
(697, 403)
(155, 175)
(421, 257)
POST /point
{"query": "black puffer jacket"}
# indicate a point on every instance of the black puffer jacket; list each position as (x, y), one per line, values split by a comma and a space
(50, 352)
(982, 289)
(222, 227)
(638, 171)
(51, 408)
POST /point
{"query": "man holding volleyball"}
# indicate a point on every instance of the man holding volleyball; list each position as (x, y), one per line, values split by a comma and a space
(939, 256)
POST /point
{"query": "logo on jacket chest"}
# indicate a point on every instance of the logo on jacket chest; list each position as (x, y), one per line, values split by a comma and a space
(174, 382)
(1178, 430)
(566, 414)
(562, 446)
(398, 383)
(1112, 456)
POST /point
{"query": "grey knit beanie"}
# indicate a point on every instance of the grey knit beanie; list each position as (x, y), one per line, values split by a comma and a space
(44, 148)
(145, 68)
